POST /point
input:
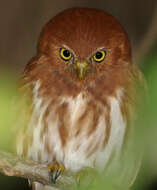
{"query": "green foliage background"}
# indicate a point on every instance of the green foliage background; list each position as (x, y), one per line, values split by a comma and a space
(7, 92)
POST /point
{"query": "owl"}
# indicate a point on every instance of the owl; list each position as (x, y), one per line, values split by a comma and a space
(80, 93)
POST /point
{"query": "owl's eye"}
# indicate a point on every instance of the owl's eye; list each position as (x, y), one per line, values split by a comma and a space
(65, 54)
(99, 56)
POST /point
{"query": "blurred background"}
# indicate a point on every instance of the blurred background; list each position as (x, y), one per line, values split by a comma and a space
(20, 24)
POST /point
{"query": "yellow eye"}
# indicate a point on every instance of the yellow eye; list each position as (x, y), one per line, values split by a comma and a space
(99, 56)
(65, 54)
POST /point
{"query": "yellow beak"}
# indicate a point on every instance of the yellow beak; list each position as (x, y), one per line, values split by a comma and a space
(81, 68)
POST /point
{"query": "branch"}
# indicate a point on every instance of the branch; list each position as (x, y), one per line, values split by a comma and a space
(11, 165)
(149, 40)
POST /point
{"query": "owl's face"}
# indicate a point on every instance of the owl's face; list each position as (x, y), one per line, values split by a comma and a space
(83, 48)
(81, 68)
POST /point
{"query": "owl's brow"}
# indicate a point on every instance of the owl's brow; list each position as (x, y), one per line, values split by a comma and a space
(99, 49)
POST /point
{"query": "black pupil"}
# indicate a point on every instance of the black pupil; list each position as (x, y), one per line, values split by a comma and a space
(99, 55)
(66, 53)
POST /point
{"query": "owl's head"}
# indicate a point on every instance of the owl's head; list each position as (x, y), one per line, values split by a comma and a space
(84, 41)
(81, 46)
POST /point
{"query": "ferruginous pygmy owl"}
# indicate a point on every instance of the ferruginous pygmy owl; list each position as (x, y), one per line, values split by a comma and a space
(81, 93)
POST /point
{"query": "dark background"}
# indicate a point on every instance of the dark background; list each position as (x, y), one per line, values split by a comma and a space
(21, 22)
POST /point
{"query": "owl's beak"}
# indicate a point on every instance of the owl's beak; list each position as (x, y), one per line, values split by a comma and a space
(81, 69)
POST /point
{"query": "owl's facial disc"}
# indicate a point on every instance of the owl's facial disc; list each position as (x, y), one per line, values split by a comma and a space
(81, 68)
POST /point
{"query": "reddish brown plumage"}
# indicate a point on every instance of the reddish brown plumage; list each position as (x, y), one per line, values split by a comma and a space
(84, 30)
(69, 109)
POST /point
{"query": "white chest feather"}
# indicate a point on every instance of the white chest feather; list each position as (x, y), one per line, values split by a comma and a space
(77, 141)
